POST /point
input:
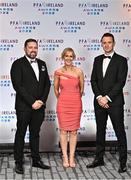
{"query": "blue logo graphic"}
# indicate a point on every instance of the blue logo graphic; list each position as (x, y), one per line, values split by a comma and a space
(110, 134)
(6, 8)
(48, 8)
(90, 44)
(24, 26)
(50, 115)
(93, 9)
(7, 44)
(70, 26)
(87, 80)
(114, 26)
(88, 114)
(7, 116)
(5, 81)
(81, 130)
(77, 62)
(50, 44)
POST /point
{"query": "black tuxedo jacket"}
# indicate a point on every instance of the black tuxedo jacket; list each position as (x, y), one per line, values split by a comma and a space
(114, 80)
(28, 88)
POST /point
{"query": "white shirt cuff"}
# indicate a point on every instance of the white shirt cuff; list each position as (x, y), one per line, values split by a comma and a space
(108, 98)
(98, 96)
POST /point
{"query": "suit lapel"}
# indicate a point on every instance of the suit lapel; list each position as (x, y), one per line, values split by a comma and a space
(29, 68)
(41, 67)
(101, 67)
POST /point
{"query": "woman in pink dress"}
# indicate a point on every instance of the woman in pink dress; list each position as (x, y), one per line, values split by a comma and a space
(68, 88)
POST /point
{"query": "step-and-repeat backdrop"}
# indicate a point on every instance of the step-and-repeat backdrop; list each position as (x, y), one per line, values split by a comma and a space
(57, 24)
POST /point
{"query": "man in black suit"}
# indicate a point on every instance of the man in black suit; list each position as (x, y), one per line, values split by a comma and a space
(108, 79)
(31, 82)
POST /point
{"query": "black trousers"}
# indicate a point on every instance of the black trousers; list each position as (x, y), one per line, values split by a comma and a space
(33, 119)
(116, 115)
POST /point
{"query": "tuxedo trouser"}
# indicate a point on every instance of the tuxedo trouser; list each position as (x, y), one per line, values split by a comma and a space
(116, 114)
(34, 120)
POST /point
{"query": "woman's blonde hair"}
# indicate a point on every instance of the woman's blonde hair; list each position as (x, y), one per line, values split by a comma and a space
(66, 50)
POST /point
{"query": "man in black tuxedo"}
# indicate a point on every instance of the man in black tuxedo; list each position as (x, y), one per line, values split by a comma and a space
(31, 82)
(108, 79)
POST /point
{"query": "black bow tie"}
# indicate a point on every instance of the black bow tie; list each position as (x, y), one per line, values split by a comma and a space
(109, 57)
(33, 61)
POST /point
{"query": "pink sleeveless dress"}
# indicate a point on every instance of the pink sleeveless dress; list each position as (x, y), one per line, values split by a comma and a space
(69, 104)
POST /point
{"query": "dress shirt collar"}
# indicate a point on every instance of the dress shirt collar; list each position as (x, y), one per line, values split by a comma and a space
(111, 54)
(29, 59)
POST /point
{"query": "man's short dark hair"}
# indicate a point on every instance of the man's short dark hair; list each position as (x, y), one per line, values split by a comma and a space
(30, 40)
(108, 35)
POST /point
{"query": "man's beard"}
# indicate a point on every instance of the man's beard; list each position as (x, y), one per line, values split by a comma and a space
(32, 55)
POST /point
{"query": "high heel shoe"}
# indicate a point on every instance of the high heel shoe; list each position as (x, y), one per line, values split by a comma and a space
(65, 161)
(72, 162)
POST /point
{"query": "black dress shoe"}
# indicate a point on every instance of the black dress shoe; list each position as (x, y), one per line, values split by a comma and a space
(19, 168)
(40, 164)
(122, 169)
(96, 163)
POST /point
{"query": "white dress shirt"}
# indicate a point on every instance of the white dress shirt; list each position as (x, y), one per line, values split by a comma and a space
(106, 62)
(34, 66)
